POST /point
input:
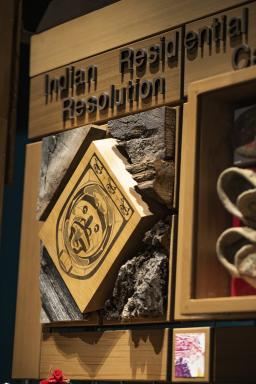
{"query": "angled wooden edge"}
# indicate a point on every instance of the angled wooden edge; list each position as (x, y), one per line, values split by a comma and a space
(91, 319)
(220, 81)
(206, 377)
(110, 355)
(27, 339)
(183, 269)
(113, 26)
(178, 136)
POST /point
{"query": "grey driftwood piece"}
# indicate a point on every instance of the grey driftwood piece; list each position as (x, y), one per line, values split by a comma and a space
(57, 302)
(60, 155)
(148, 140)
(140, 289)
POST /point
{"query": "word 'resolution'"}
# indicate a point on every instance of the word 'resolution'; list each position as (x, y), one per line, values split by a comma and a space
(76, 82)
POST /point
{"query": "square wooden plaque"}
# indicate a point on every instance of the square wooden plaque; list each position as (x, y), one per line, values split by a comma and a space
(90, 228)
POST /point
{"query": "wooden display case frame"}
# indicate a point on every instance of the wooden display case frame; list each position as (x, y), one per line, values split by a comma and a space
(210, 111)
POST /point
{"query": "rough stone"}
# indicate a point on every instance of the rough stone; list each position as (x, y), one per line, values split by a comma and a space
(147, 135)
(141, 286)
(148, 141)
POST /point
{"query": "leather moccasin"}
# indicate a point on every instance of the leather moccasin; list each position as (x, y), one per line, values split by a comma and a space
(236, 188)
(236, 250)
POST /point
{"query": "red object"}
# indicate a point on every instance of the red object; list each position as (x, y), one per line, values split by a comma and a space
(239, 287)
(57, 377)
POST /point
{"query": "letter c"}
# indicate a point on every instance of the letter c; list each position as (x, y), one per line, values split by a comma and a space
(243, 52)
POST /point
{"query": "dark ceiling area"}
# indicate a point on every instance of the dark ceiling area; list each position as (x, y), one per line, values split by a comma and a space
(40, 15)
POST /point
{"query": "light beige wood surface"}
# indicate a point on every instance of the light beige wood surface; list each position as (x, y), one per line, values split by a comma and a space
(206, 376)
(91, 319)
(113, 26)
(191, 298)
(217, 59)
(109, 355)
(46, 117)
(26, 352)
(78, 239)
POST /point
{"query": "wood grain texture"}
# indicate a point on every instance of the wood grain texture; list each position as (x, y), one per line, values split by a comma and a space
(217, 59)
(10, 12)
(27, 327)
(195, 280)
(60, 155)
(211, 218)
(45, 114)
(113, 26)
(109, 355)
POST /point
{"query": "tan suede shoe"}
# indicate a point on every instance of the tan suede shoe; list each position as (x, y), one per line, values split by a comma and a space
(236, 250)
(236, 188)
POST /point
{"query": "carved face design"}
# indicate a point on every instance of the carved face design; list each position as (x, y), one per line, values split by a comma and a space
(87, 228)
(87, 225)
(91, 218)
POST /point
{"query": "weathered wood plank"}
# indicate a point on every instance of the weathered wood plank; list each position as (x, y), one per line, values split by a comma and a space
(60, 155)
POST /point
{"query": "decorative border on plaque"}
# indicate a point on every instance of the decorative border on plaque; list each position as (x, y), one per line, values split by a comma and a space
(90, 221)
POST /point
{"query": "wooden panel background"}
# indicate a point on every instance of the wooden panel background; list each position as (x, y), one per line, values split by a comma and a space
(3, 140)
(131, 355)
(124, 22)
(47, 118)
(234, 355)
(217, 60)
(8, 22)
(110, 355)
(27, 337)
(7, 12)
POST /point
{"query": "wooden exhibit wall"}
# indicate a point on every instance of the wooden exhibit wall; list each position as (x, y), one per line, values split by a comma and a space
(10, 12)
(141, 354)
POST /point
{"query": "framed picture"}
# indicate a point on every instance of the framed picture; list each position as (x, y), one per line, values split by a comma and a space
(190, 355)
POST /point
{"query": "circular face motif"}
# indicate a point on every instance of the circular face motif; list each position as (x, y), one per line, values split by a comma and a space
(85, 230)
